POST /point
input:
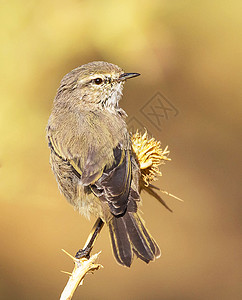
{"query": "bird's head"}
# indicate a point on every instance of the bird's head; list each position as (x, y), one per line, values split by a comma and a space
(97, 82)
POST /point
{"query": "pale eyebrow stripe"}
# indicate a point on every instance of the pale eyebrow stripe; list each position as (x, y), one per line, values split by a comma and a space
(104, 76)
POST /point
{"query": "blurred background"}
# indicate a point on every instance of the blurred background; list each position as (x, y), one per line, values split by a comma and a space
(190, 56)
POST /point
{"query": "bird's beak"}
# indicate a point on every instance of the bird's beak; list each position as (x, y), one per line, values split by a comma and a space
(125, 76)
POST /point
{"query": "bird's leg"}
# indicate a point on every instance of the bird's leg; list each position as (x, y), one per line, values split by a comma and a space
(85, 252)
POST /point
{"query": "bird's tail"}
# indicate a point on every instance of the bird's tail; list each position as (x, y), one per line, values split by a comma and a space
(129, 235)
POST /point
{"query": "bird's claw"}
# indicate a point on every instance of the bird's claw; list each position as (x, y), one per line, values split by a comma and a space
(83, 253)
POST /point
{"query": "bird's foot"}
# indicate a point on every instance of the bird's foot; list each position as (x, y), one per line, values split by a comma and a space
(83, 253)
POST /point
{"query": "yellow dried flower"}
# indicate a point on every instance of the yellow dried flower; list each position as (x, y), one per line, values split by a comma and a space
(150, 156)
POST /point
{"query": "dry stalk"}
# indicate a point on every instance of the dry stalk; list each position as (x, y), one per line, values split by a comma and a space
(81, 268)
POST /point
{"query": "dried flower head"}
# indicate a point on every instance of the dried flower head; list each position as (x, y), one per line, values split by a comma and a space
(150, 156)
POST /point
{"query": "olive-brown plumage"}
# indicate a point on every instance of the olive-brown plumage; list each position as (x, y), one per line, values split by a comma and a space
(92, 158)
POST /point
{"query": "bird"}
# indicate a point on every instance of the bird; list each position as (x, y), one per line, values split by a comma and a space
(93, 161)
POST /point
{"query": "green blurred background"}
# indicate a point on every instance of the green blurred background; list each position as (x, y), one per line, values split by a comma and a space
(190, 51)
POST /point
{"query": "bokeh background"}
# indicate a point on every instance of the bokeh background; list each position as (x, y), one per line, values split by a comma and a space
(190, 51)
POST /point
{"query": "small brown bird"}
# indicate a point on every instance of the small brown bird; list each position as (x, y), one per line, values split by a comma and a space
(92, 158)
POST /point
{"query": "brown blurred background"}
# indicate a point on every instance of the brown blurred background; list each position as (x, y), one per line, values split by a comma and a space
(190, 51)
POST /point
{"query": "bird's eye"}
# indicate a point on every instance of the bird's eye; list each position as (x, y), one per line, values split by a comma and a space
(98, 80)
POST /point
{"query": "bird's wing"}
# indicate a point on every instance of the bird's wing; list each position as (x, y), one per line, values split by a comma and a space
(114, 186)
(89, 171)
(111, 184)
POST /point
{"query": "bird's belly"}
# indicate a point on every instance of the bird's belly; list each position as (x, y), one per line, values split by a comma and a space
(87, 203)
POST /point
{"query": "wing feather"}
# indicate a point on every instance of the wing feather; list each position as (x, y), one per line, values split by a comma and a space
(114, 184)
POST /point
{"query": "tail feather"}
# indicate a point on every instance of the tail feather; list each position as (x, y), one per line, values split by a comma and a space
(129, 235)
(138, 237)
(120, 241)
(155, 248)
